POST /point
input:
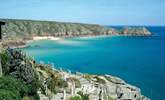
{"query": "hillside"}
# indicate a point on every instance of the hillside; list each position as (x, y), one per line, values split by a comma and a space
(41, 28)
(28, 28)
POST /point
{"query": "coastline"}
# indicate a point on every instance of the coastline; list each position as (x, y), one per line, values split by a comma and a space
(55, 38)
(112, 85)
(36, 38)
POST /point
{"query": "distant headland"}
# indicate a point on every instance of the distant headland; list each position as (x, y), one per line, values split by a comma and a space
(18, 32)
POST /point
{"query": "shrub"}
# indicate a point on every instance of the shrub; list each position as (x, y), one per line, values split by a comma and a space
(76, 98)
(27, 98)
(83, 96)
(15, 64)
(9, 95)
(99, 80)
(10, 84)
(4, 60)
(35, 97)
(56, 82)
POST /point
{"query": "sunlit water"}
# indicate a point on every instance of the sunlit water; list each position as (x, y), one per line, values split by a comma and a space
(138, 60)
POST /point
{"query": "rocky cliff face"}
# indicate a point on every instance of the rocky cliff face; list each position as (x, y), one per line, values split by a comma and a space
(29, 28)
(137, 31)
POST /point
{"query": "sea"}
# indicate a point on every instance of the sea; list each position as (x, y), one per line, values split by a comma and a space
(139, 60)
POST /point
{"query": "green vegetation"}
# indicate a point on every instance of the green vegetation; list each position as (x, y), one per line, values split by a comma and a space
(18, 31)
(16, 65)
(4, 59)
(83, 96)
(28, 28)
(9, 95)
(80, 96)
(53, 78)
(88, 76)
(19, 76)
(100, 80)
(56, 82)
(76, 98)
(115, 80)
(12, 88)
(77, 82)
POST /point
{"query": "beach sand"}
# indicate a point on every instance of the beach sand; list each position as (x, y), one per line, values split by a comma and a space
(35, 38)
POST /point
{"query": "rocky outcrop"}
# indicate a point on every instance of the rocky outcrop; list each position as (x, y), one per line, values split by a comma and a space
(97, 87)
(135, 31)
(14, 44)
(54, 84)
(29, 28)
(118, 88)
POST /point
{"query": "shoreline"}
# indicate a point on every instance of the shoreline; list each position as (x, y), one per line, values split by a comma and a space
(36, 38)
(24, 42)
(126, 87)
(53, 38)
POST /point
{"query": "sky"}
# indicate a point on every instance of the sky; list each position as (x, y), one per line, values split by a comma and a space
(104, 12)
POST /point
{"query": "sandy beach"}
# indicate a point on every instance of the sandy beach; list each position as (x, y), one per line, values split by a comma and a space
(35, 38)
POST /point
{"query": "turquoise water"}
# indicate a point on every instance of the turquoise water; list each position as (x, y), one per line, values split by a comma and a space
(138, 60)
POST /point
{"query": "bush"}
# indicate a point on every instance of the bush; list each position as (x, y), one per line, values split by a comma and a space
(56, 82)
(4, 60)
(52, 85)
(83, 96)
(10, 84)
(35, 97)
(9, 95)
(27, 98)
(76, 98)
(99, 80)
(15, 64)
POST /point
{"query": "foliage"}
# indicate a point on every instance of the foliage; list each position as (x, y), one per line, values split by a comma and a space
(10, 83)
(28, 28)
(76, 98)
(56, 82)
(83, 96)
(4, 60)
(16, 65)
(35, 97)
(52, 85)
(9, 95)
(87, 76)
(99, 80)
(27, 98)
(77, 82)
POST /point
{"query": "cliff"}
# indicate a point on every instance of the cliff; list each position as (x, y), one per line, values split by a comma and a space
(29, 28)
(135, 31)
(23, 79)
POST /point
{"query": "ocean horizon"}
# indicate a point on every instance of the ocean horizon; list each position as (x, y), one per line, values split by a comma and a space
(139, 60)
